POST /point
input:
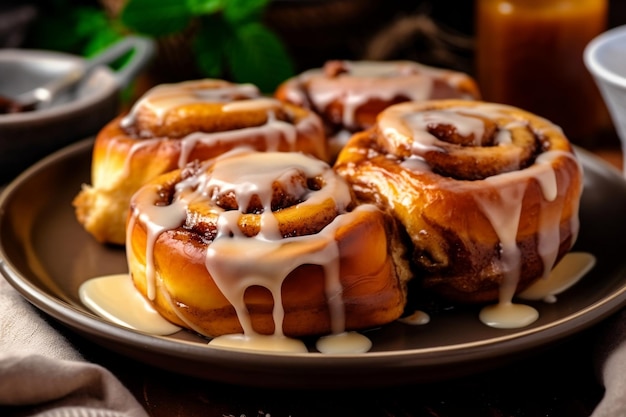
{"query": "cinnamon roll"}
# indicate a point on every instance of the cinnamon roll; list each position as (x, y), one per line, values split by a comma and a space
(488, 194)
(267, 243)
(348, 95)
(173, 124)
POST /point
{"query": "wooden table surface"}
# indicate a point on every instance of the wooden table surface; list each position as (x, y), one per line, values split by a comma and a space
(558, 380)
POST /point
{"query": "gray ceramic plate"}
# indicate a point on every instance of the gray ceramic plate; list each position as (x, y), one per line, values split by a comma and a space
(46, 256)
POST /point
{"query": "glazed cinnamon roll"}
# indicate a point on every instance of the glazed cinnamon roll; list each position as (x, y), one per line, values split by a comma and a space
(348, 95)
(488, 194)
(267, 243)
(173, 124)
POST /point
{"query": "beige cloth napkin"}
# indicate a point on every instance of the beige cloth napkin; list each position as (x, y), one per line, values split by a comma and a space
(611, 365)
(41, 374)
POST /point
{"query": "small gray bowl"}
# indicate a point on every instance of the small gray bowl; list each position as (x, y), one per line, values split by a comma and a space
(605, 58)
(75, 113)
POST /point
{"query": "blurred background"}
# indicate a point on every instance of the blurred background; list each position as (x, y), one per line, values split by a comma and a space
(266, 41)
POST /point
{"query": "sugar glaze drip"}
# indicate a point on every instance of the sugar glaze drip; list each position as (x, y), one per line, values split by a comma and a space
(498, 196)
(571, 269)
(164, 97)
(360, 81)
(272, 132)
(269, 256)
(102, 295)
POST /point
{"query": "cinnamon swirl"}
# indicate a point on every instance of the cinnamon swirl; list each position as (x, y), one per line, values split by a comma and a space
(267, 243)
(348, 95)
(487, 193)
(173, 124)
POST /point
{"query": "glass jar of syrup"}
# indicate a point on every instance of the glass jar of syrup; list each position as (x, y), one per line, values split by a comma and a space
(529, 54)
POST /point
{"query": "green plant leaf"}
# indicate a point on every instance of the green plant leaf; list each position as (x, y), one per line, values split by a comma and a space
(156, 18)
(244, 10)
(100, 41)
(208, 46)
(205, 7)
(103, 40)
(68, 30)
(89, 21)
(257, 56)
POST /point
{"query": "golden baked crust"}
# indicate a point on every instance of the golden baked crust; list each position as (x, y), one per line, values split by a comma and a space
(223, 256)
(348, 95)
(487, 193)
(173, 124)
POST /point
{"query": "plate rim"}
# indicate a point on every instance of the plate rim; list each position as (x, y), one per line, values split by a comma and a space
(95, 327)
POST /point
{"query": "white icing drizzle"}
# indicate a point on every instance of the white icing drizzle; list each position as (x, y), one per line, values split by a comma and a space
(466, 126)
(135, 147)
(418, 317)
(259, 342)
(269, 256)
(102, 295)
(251, 104)
(344, 343)
(504, 216)
(365, 80)
(157, 220)
(400, 123)
(415, 163)
(233, 97)
(499, 197)
(565, 274)
(508, 315)
(272, 131)
(164, 97)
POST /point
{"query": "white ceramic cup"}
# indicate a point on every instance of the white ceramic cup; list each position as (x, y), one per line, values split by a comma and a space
(605, 58)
